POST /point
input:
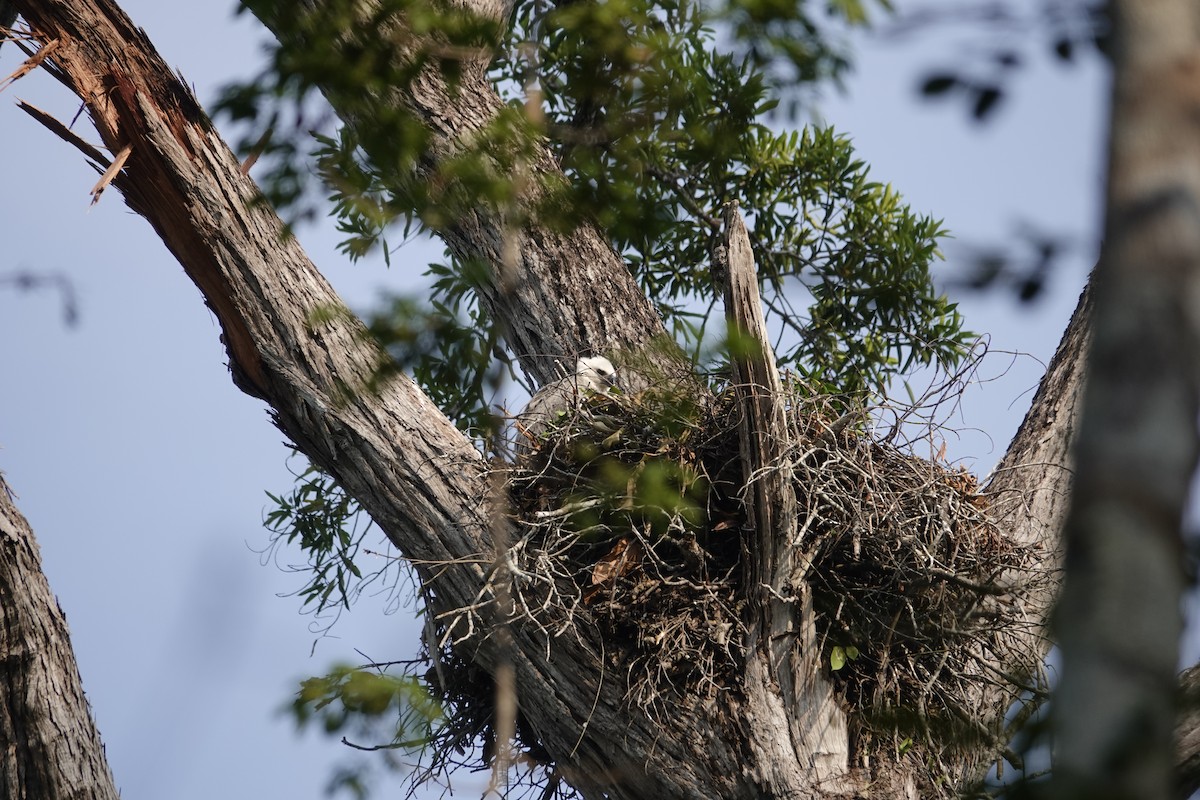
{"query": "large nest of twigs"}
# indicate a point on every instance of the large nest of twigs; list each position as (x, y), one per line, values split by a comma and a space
(911, 581)
(630, 521)
(632, 527)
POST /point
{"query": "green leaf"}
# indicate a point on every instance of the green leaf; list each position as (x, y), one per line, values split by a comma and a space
(837, 658)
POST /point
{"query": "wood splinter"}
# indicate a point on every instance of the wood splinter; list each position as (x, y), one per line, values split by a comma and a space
(31, 63)
(110, 173)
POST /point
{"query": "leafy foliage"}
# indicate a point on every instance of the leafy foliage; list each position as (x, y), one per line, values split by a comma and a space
(659, 113)
(447, 346)
(327, 525)
(369, 703)
(347, 694)
(315, 53)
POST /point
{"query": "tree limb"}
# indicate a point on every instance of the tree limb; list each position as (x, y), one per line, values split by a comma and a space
(51, 746)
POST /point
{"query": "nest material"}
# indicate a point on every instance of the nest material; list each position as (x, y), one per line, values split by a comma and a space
(912, 577)
(632, 526)
(630, 523)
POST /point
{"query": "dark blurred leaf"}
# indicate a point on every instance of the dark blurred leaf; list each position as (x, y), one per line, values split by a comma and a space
(939, 84)
(986, 99)
(1029, 288)
(1008, 59)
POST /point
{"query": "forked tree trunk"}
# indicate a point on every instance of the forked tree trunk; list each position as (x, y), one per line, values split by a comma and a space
(427, 487)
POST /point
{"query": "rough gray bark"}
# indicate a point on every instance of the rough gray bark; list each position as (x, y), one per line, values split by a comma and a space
(1119, 621)
(422, 481)
(1187, 735)
(49, 746)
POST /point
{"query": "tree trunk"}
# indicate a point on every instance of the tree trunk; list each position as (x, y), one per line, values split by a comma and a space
(1119, 622)
(51, 749)
(427, 487)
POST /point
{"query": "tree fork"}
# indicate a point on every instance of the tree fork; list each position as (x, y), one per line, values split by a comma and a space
(414, 473)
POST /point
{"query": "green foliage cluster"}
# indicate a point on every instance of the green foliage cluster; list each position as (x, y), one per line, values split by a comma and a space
(659, 112)
(319, 51)
(391, 712)
(654, 495)
(347, 694)
(325, 523)
(447, 346)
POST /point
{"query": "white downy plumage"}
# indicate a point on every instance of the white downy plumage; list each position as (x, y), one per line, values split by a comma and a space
(592, 373)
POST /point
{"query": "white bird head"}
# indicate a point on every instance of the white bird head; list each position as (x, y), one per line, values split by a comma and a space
(592, 374)
(596, 373)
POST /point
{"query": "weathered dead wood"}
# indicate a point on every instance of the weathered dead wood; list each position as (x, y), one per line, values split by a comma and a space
(786, 690)
(29, 65)
(63, 132)
(765, 439)
(51, 748)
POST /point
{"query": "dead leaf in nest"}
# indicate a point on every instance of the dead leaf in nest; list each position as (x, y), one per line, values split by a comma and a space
(980, 502)
(614, 564)
(617, 561)
(967, 484)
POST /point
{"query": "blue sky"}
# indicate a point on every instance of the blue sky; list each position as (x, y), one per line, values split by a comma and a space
(143, 470)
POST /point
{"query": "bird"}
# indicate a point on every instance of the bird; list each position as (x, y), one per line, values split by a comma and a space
(593, 374)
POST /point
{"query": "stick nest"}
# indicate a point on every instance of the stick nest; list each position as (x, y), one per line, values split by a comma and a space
(632, 525)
